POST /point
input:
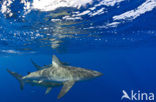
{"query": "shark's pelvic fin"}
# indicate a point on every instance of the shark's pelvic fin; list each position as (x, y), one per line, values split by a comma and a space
(66, 87)
(36, 66)
(18, 77)
(56, 62)
(48, 90)
(40, 81)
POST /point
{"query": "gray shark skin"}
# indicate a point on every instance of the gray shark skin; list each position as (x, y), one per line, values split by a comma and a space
(57, 74)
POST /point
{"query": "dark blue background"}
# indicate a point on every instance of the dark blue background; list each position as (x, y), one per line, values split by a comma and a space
(125, 54)
(123, 69)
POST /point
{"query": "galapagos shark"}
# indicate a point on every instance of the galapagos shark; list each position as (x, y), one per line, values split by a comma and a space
(55, 75)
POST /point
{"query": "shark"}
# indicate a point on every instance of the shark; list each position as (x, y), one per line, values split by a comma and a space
(56, 74)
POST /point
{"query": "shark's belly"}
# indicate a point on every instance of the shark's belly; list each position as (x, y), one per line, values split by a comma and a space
(43, 83)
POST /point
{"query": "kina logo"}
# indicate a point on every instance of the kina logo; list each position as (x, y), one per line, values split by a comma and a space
(138, 96)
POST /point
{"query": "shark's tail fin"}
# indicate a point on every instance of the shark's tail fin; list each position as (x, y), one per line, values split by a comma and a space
(18, 77)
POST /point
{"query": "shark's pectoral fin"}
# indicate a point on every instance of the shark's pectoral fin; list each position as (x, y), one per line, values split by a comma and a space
(66, 87)
(48, 90)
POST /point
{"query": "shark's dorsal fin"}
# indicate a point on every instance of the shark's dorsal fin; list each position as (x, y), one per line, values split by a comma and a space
(66, 87)
(48, 90)
(56, 62)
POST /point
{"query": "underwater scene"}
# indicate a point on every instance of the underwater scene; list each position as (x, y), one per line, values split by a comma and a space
(77, 50)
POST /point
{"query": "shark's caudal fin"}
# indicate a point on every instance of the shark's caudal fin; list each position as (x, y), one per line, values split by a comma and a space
(18, 77)
(36, 66)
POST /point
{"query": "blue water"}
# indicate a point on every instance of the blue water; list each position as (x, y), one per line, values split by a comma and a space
(121, 47)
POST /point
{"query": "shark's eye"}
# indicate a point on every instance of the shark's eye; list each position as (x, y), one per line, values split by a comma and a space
(29, 73)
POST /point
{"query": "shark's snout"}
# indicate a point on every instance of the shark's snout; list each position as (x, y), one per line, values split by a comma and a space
(32, 76)
(97, 74)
